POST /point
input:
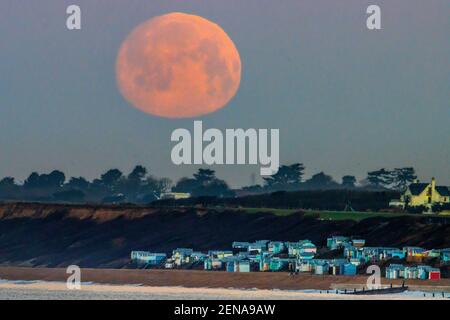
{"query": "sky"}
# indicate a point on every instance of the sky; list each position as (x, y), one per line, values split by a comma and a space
(347, 100)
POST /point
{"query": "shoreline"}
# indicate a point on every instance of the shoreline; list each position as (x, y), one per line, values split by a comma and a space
(213, 279)
(42, 290)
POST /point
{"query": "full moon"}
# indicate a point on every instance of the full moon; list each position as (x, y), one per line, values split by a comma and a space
(178, 66)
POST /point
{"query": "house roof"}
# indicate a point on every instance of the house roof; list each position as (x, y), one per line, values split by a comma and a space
(443, 191)
(417, 188)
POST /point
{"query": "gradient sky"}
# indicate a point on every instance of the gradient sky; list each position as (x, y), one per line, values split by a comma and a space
(347, 100)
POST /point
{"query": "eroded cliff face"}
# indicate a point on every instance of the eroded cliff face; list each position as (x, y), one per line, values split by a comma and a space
(35, 234)
(91, 212)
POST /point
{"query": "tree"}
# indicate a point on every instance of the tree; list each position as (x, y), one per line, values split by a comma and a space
(380, 178)
(348, 181)
(138, 174)
(110, 178)
(205, 176)
(79, 183)
(186, 185)
(402, 177)
(55, 179)
(131, 185)
(33, 181)
(320, 181)
(69, 195)
(9, 188)
(7, 182)
(153, 187)
(204, 183)
(287, 178)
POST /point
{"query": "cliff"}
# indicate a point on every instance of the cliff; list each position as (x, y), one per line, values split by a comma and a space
(33, 234)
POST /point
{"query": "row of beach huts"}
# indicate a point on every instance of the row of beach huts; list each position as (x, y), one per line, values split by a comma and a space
(300, 256)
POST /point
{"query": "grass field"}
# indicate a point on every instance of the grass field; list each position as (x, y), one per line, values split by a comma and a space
(329, 215)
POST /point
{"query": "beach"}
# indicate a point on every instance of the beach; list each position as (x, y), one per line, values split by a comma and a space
(49, 283)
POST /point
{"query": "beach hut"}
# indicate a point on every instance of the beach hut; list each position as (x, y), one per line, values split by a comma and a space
(244, 266)
(276, 247)
(337, 242)
(145, 257)
(207, 264)
(220, 254)
(265, 266)
(230, 266)
(397, 254)
(445, 255)
(321, 268)
(308, 247)
(293, 248)
(277, 264)
(414, 254)
(306, 255)
(394, 271)
(198, 256)
(349, 269)
(433, 253)
(411, 273)
(257, 247)
(434, 274)
(358, 243)
(303, 266)
(216, 264)
(335, 269)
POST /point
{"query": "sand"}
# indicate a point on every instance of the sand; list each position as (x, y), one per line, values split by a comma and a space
(190, 284)
(59, 291)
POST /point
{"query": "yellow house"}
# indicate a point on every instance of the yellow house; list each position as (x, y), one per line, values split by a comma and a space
(423, 194)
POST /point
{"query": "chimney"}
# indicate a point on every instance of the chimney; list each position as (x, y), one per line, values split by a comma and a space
(433, 183)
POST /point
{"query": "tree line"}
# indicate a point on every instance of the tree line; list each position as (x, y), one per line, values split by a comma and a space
(139, 186)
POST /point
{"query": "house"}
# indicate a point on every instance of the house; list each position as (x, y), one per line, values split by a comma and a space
(423, 194)
(174, 195)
